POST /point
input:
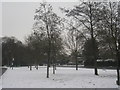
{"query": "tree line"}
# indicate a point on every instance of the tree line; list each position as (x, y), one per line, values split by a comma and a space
(90, 30)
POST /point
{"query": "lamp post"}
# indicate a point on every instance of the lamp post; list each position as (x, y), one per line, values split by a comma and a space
(12, 62)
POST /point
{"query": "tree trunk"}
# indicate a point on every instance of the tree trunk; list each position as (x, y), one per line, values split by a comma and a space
(76, 62)
(118, 76)
(53, 68)
(48, 64)
(93, 41)
(53, 56)
(53, 65)
(37, 67)
(118, 65)
(94, 53)
(48, 67)
(95, 67)
(30, 67)
(94, 57)
(55, 61)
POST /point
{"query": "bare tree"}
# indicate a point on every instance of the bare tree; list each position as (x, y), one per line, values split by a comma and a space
(74, 39)
(87, 14)
(110, 22)
(46, 21)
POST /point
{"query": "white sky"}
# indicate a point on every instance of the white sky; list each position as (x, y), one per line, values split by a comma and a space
(17, 17)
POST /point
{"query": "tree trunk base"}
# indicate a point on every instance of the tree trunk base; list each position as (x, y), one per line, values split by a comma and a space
(30, 68)
(53, 69)
(76, 68)
(48, 71)
(96, 72)
(118, 76)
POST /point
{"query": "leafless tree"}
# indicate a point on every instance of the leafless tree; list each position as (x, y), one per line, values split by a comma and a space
(46, 21)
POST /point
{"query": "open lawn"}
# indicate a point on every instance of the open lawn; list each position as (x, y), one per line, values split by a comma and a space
(22, 77)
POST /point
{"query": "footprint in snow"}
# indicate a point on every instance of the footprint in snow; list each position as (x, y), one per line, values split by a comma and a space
(64, 84)
(89, 82)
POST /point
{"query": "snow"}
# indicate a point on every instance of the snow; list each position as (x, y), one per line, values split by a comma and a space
(65, 77)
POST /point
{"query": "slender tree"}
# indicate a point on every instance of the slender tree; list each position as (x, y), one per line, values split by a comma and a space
(46, 21)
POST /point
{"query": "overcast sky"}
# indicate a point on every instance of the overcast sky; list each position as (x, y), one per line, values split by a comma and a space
(17, 17)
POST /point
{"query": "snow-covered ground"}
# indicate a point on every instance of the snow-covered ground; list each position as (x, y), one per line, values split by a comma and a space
(65, 77)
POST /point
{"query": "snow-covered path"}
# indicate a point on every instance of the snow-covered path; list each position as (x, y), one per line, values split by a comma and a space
(64, 78)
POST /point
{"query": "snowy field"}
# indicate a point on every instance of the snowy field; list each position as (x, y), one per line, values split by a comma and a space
(64, 78)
